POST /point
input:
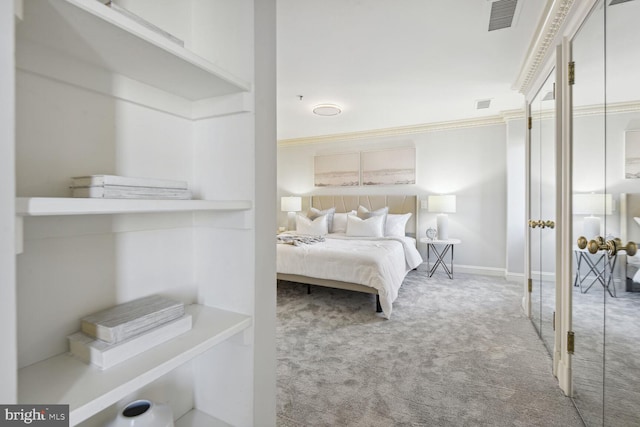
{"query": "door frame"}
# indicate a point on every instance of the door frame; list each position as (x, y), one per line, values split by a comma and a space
(562, 20)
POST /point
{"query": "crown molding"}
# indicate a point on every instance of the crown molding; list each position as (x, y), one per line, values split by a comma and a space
(407, 130)
(547, 31)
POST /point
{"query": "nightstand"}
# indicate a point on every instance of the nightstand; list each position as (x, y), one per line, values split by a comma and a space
(447, 246)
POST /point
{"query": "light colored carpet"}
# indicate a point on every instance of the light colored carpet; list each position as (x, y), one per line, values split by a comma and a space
(455, 353)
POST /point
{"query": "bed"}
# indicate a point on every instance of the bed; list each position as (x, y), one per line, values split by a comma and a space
(363, 263)
(630, 213)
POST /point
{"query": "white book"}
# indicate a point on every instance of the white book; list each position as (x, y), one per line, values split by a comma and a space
(105, 355)
(100, 180)
(132, 318)
(127, 192)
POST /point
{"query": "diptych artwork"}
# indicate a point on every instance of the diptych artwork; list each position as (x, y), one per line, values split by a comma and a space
(381, 167)
(632, 154)
(389, 167)
(337, 170)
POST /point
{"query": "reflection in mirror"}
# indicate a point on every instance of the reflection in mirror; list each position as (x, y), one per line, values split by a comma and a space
(589, 216)
(622, 313)
(542, 195)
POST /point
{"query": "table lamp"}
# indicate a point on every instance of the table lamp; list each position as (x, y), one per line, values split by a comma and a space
(291, 205)
(592, 204)
(443, 205)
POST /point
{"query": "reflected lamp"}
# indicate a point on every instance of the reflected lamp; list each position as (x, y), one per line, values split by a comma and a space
(593, 205)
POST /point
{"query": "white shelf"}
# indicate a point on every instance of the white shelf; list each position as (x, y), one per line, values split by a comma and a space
(87, 390)
(48, 206)
(95, 34)
(195, 418)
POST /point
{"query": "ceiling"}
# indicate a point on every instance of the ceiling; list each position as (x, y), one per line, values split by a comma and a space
(394, 63)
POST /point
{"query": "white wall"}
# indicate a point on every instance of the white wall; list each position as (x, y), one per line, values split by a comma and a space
(8, 372)
(468, 162)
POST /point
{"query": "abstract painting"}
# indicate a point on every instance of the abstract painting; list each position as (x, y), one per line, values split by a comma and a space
(389, 167)
(337, 170)
(632, 154)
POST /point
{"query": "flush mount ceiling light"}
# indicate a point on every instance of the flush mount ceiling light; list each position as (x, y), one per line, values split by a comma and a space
(327, 110)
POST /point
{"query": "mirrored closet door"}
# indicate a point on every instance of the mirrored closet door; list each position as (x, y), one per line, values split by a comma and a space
(542, 194)
(606, 187)
(622, 165)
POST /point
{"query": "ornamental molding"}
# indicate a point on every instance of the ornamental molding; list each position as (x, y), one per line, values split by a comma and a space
(498, 119)
(538, 52)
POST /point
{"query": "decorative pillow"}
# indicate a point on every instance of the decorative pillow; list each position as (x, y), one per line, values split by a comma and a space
(315, 227)
(365, 213)
(372, 227)
(315, 213)
(396, 224)
(340, 222)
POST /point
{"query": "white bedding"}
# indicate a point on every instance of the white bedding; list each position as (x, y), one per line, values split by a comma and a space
(379, 262)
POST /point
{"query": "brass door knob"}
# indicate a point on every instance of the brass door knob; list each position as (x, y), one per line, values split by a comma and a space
(612, 246)
(542, 224)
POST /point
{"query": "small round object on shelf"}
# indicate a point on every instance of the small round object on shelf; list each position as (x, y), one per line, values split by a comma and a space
(431, 233)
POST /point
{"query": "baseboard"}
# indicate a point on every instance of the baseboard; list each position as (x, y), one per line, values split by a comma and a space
(475, 269)
(514, 277)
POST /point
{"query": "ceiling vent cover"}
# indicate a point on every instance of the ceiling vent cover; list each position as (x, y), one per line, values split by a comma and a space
(483, 104)
(502, 12)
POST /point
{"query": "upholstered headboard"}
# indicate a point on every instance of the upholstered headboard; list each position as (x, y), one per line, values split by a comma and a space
(347, 203)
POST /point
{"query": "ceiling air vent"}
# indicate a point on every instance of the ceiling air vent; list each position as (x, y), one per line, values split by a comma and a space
(502, 12)
(483, 104)
(615, 2)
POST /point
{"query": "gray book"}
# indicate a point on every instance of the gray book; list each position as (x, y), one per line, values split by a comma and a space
(132, 318)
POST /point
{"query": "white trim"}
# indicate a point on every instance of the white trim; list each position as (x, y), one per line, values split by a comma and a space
(539, 50)
(476, 269)
(514, 277)
(406, 130)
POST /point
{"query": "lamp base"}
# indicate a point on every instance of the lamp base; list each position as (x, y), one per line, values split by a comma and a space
(591, 227)
(442, 224)
(291, 221)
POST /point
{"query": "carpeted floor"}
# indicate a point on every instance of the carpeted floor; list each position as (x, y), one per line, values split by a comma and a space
(455, 353)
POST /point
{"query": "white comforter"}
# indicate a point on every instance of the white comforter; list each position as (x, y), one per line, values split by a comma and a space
(381, 263)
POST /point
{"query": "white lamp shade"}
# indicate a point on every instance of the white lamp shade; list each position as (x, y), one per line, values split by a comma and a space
(291, 204)
(592, 204)
(442, 204)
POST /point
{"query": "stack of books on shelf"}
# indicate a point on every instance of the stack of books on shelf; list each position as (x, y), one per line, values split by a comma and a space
(116, 334)
(122, 187)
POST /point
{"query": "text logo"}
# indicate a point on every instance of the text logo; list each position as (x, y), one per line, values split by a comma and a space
(34, 415)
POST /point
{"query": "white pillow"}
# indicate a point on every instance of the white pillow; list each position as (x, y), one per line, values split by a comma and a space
(315, 213)
(396, 224)
(315, 227)
(637, 219)
(372, 227)
(365, 213)
(340, 222)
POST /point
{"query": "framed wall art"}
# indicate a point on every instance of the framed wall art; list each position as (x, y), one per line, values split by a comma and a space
(337, 170)
(632, 154)
(389, 167)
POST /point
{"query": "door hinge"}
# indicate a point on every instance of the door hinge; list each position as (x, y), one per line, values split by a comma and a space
(529, 123)
(530, 285)
(554, 321)
(570, 342)
(572, 72)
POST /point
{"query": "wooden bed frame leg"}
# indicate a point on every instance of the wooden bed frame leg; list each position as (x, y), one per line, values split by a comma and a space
(378, 306)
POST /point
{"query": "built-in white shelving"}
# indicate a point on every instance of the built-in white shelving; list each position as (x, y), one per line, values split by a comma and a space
(49, 206)
(88, 390)
(91, 32)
